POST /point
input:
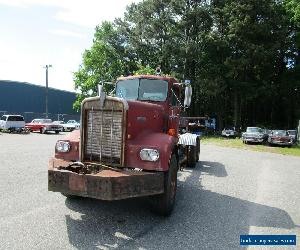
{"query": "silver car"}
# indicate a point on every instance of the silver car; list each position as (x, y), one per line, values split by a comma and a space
(254, 134)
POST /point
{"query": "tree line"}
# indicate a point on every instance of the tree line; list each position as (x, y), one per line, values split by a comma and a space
(242, 56)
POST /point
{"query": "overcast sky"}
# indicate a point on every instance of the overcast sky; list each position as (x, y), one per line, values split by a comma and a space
(34, 33)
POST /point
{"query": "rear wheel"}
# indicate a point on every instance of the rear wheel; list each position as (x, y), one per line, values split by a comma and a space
(56, 132)
(193, 155)
(198, 149)
(163, 204)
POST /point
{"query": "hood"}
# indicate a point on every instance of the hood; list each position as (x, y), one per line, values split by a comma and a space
(252, 134)
(145, 117)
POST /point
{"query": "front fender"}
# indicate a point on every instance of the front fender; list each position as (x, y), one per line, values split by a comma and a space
(163, 142)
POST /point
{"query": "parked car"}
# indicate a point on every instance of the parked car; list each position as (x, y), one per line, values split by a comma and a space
(59, 122)
(12, 122)
(280, 137)
(293, 135)
(229, 132)
(254, 134)
(44, 126)
(71, 125)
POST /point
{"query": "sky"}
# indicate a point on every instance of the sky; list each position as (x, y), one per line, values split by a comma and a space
(35, 33)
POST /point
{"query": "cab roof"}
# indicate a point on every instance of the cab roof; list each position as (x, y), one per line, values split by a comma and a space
(157, 77)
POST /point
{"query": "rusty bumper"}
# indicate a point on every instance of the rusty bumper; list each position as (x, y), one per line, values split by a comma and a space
(106, 184)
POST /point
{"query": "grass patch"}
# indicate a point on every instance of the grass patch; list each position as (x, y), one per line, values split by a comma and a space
(237, 143)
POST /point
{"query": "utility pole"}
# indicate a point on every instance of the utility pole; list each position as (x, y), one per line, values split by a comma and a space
(46, 98)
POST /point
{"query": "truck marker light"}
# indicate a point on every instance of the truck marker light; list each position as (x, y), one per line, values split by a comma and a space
(63, 146)
(148, 154)
(172, 132)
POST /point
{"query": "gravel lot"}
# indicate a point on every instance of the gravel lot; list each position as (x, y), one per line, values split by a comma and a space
(230, 192)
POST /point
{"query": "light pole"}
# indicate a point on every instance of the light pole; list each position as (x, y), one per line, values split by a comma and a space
(46, 100)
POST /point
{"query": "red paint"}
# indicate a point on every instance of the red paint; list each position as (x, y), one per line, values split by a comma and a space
(154, 140)
(148, 123)
(36, 126)
(73, 154)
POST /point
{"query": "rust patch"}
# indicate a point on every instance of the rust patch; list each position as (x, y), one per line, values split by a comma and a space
(77, 183)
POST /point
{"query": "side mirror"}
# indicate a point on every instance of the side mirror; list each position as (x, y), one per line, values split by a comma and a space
(187, 95)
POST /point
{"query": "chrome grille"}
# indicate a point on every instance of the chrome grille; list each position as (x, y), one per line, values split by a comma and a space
(103, 141)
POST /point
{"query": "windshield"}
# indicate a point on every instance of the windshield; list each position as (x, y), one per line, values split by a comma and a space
(280, 132)
(254, 130)
(142, 89)
(42, 121)
(15, 118)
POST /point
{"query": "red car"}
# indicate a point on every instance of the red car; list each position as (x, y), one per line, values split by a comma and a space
(280, 137)
(43, 126)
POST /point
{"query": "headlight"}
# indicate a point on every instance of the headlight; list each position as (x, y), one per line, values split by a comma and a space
(63, 146)
(148, 154)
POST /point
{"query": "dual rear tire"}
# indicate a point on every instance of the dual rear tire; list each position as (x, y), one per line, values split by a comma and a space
(193, 154)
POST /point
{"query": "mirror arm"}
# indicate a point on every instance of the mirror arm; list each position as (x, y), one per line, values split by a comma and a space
(176, 98)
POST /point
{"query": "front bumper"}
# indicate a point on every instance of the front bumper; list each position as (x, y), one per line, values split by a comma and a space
(106, 184)
(281, 143)
(54, 129)
(253, 139)
(228, 135)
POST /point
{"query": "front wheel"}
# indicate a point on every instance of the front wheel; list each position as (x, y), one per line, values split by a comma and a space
(163, 204)
(56, 132)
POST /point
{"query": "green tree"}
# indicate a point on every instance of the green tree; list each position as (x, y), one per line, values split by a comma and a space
(104, 61)
(241, 56)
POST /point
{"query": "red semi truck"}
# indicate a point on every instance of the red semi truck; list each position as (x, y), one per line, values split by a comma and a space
(128, 145)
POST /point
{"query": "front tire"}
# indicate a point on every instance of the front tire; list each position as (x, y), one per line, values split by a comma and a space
(163, 204)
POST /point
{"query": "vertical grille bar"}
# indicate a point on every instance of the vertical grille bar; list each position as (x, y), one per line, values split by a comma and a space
(111, 130)
(92, 133)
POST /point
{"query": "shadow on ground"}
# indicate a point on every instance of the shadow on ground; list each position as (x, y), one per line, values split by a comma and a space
(201, 220)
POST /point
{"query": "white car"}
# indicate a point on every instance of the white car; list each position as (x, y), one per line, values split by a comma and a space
(71, 125)
(229, 132)
(12, 122)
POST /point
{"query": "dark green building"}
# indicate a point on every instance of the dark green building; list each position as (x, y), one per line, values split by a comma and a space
(29, 100)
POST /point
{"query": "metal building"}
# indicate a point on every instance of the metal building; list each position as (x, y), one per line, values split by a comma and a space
(29, 100)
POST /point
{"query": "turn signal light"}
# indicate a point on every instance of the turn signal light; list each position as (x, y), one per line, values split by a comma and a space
(172, 132)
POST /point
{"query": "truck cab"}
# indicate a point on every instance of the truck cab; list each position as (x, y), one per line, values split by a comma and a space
(127, 146)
